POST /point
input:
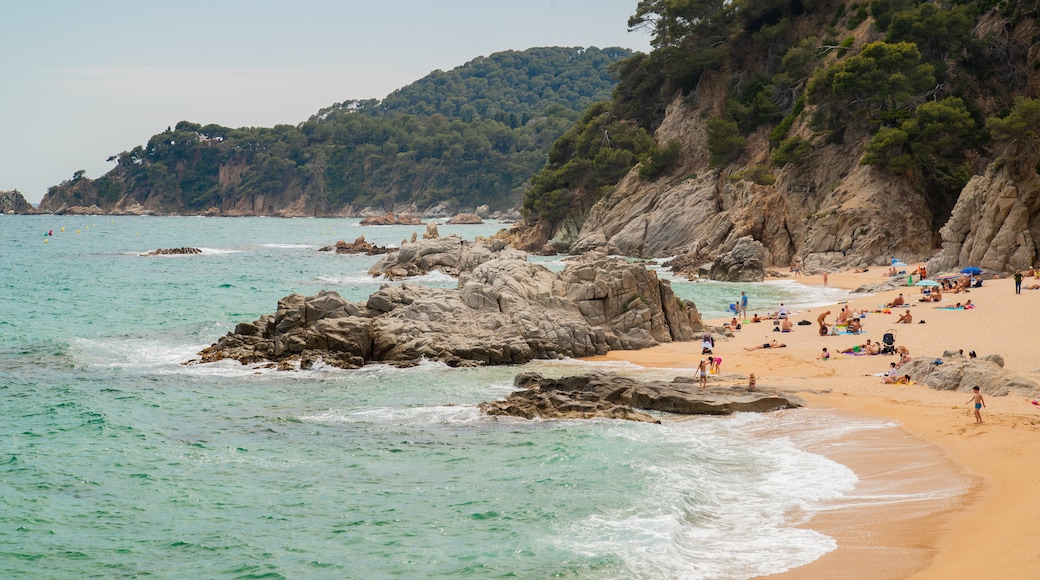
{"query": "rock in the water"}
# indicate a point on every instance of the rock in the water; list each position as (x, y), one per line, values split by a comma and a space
(617, 397)
(741, 264)
(506, 311)
(360, 246)
(465, 219)
(392, 219)
(173, 252)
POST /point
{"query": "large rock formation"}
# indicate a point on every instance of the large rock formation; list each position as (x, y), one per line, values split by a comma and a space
(392, 219)
(741, 264)
(613, 396)
(13, 202)
(954, 372)
(505, 311)
(995, 224)
(450, 255)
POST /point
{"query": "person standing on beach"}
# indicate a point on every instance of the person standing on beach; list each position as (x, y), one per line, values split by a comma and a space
(1018, 281)
(979, 403)
(702, 374)
(743, 306)
(824, 277)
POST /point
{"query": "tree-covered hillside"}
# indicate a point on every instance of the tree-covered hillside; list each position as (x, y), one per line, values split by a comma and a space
(916, 85)
(470, 136)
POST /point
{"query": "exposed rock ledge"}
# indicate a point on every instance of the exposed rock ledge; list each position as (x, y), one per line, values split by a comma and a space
(450, 255)
(360, 246)
(506, 311)
(615, 397)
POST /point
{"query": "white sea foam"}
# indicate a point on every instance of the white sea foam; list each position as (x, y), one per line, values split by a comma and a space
(289, 246)
(721, 514)
(219, 251)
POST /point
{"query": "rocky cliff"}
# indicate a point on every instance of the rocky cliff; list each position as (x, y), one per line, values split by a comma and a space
(995, 224)
(13, 202)
(827, 210)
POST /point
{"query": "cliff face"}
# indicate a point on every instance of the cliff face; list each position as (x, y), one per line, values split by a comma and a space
(13, 202)
(995, 224)
(828, 210)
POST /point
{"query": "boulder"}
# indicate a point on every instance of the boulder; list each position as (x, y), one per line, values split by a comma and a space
(741, 264)
(616, 397)
(12, 202)
(505, 311)
(465, 219)
(954, 372)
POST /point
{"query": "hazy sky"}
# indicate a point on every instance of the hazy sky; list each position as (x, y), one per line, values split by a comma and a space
(80, 81)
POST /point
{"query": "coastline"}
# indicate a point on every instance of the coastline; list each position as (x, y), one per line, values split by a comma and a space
(987, 533)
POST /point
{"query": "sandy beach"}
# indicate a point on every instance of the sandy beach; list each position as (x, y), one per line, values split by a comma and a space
(989, 532)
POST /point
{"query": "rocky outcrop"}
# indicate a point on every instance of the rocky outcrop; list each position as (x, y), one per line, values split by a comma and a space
(12, 202)
(392, 219)
(994, 225)
(465, 219)
(741, 264)
(174, 252)
(506, 311)
(450, 255)
(954, 372)
(615, 397)
(360, 246)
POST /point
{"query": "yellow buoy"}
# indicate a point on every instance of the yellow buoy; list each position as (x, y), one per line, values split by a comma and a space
(45, 240)
(63, 229)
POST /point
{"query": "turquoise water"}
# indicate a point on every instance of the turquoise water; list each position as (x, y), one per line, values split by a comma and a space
(118, 461)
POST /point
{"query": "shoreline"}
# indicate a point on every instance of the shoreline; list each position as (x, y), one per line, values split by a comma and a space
(996, 516)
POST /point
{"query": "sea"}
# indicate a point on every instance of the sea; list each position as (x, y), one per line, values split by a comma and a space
(117, 460)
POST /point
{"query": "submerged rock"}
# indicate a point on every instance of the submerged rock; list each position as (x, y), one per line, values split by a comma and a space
(616, 397)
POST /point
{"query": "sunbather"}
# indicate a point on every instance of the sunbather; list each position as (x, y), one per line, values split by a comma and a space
(905, 318)
(770, 344)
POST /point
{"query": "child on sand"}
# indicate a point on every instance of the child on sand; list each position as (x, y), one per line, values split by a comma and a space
(702, 373)
(751, 382)
(979, 403)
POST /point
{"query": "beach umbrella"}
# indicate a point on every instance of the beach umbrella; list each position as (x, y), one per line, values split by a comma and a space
(972, 270)
(927, 283)
(947, 276)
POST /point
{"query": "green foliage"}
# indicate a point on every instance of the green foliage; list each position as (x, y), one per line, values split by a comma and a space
(590, 156)
(473, 135)
(780, 131)
(858, 15)
(660, 160)
(882, 78)
(725, 143)
(1018, 132)
(791, 150)
(932, 143)
(758, 174)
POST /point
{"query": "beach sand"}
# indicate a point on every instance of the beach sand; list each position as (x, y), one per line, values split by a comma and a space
(989, 532)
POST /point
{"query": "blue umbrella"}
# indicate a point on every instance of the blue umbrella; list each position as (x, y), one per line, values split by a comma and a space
(971, 270)
(927, 283)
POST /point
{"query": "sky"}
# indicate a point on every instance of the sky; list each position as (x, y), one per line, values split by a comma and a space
(81, 81)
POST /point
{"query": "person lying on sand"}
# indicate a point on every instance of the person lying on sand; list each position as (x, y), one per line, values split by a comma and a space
(854, 325)
(770, 344)
(756, 318)
(905, 318)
